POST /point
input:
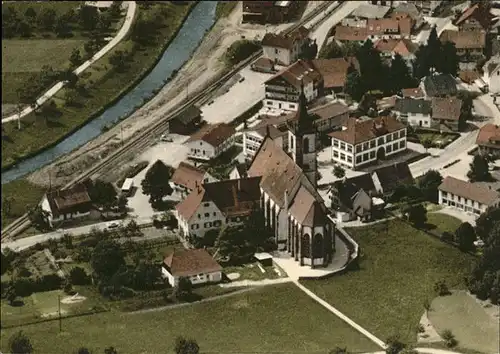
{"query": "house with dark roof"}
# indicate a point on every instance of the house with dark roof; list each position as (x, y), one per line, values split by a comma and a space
(274, 12)
(414, 92)
(213, 205)
(488, 139)
(439, 85)
(472, 198)
(476, 17)
(446, 113)
(239, 171)
(491, 75)
(335, 71)
(210, 141)
(363, 142)
(186, 122)
(414, 112)
(197, 265)
(67, 204)
(285, 49)
(470, 44)
(186, 177)
(282, 90)
(386, 179)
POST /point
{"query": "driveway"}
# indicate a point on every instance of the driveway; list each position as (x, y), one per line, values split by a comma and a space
(131, 7)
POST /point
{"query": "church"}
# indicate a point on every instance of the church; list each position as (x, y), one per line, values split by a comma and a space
(283, 184)
(292, 207)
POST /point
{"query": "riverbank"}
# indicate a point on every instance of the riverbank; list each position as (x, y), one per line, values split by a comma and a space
(105, 86)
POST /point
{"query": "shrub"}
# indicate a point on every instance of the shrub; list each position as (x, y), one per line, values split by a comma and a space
(441, 288)
(60, 254)
(68, 289)
(449, 338)
(447, 236)
(79, 276)
(24, 286)
(420, 328)
(49, 282)
(241, 50)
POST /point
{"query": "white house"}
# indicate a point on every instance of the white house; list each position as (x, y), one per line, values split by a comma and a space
(213, 205)
(186, 176)
(470, 197)
(415, 112)
(283, 89)
(491, 75)
(253, 138)
(210, 141)
(364, 142)
(197, 265)
(67, 204)
(285, 49)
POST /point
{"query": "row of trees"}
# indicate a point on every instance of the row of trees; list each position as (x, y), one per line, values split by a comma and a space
(47, 20)
(20, 343)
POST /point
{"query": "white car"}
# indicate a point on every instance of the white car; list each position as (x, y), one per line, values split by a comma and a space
(166, 138)
(113, 225)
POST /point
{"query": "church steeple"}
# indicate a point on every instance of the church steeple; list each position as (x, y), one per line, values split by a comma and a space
(304, 121)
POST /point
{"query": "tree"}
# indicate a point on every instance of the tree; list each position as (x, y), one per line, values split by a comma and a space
(485, 224)
(421, 63)
(399, 74)
(448, 61)
(309, 51)
(78, 276)
(427, 144)
(83, 351)
(184, 289)
(24, 29)
(156, 182)
(7, 203)
(394, 345)
(5, 263)
(30, 13)
(104, 23)
(118, 60)
(241, 50)
(39, 218)
(186, 346)
(102, 194)
(47, 18)
(449, 338)
(371, 67)
(76, 58)
(143, 30)
(429, 184)
(19, 343)
(338, 350)
(465, 236)
(50, 110)
(354, 86)
(107, 258)
(330, 51)
(122, 203)
(441, 288)
(70, 78)
(338, 171)
(478, 171)
(71, 97)
(434, 48)
(417, 215)
(63, 27)
(10, 19)
(89, 17)
(110, 350)
(115, 9)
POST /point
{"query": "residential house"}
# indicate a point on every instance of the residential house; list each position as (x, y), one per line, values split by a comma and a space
(345, 34)
(470, 44)
(365, 142)
(282, 90)
(253, 137)
(439, 85)
(214, 205)
(334, 72)
(389, 28)
(67, 204)
(427, 7)
(187, 176)
(263, 65)
(354, 22)
(415, 92)
(352, 198)
(285, 49)
(390, 47)
(239, 171)
(186, 122)
(388, 178)
(415, 112)
(470, 197)
(491, 75)
(369, 11)
(197, 265)
(292, 207)
(446, 113)
(270, 11)
(476, 17)
(406, 9)
(488, 139)
(210, 141)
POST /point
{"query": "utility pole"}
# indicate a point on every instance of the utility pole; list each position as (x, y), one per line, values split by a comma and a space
(60, 318)
(121, 131)
(187, 91)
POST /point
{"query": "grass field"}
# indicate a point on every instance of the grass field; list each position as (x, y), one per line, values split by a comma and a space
(436, 138)
(224, 8)
(276, 318)
(472, 326)
(22, 194)
(104, 87)
(252, 272)
(439, 222)
(397, 274)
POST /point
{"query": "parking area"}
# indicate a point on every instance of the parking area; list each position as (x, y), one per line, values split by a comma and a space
(239, 98)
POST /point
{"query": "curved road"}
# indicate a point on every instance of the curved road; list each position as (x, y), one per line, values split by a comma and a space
(131, 7)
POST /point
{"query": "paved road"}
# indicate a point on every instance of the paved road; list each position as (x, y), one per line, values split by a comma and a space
(131, 7)
(22, 243)
(426, 351)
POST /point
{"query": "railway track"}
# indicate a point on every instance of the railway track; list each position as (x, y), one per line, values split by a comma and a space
(143, 139)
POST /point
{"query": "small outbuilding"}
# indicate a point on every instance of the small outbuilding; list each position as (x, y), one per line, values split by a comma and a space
(127, 186)
(265, 259)
(186, 122)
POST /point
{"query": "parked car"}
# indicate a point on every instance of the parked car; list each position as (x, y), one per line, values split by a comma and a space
(166, 138)
(241, 80)
(113, 225)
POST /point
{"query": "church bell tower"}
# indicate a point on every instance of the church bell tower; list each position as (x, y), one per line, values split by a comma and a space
(302, 139)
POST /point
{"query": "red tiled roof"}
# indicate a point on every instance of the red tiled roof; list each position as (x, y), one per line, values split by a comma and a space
(403, 47)
(489, 135)
(187, 175)
(63, 201)
(334, 71)
(413, 92)
(299, 71)
(358, 132)
(346, 33)
(446, 108)
(214, 135)
(287, 42)
(464, 39)
(392, 25)
(480, 12)
(472, 191)
(186, 263)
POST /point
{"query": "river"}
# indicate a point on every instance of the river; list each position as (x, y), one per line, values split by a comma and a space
(199, 21)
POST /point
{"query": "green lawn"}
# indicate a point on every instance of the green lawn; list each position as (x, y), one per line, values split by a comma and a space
(104, 86)
(473, 327)
(253, 272)
(439, 222)
(397, 274)
(436, 138)
(22, 195)
(224, 8)
(276, 318)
